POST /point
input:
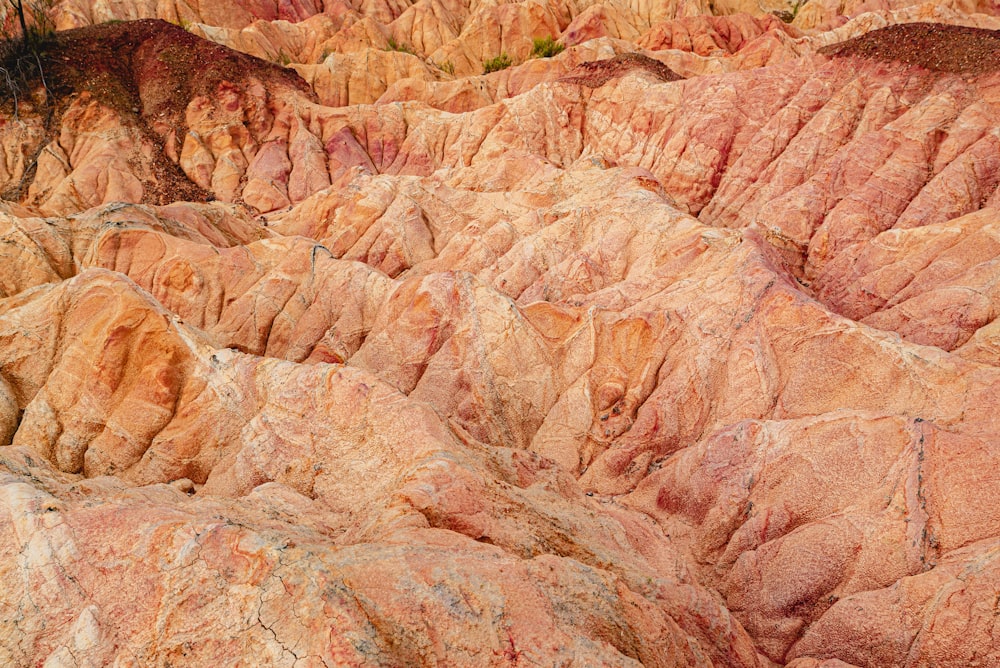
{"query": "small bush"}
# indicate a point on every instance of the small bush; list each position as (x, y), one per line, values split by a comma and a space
(401, 47)
(447, 67)
(22, 55)
(501, 62)
(34, 21)
(545, 47)
(788, 15)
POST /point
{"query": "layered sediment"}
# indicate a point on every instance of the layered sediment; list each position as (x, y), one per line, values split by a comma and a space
(319, 345)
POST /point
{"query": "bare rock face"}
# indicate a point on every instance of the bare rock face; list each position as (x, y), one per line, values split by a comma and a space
(676, 346)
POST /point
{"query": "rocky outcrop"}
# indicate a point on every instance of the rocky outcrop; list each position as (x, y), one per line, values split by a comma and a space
(676, 348)
(155, 418)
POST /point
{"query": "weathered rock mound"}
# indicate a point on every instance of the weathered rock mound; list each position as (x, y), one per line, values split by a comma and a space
(135, 80)
(595, 74)
(933, 46)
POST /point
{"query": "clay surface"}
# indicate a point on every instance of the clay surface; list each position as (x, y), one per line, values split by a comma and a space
(322, 346)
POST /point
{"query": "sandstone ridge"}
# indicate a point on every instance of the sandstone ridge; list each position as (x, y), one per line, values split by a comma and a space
(678, 347)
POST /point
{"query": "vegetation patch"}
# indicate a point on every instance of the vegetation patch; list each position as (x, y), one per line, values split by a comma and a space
(545, 47)
(22, 56)
(401, 47)
(496, 64)
(788, 15)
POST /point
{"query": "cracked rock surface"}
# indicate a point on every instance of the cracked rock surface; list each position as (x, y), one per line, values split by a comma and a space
(319, 346)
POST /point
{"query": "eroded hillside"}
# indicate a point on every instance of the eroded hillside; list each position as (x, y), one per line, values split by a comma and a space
(321, 346)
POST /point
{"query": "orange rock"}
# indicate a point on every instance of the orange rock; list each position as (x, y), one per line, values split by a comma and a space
(679, 348)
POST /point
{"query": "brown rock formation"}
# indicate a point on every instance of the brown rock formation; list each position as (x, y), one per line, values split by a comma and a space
(596, 73)
(679, 348)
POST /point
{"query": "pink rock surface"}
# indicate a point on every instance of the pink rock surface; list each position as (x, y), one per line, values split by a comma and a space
(679, 348)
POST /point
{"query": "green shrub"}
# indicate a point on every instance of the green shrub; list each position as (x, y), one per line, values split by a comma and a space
(545, 47)
(34, 21)
(22, 54)
(788, 15)
(447, 67)
(401, 47)
(501, 62)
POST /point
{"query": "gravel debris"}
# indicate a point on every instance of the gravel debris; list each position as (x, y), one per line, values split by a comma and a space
(596, 73)
(933, 46)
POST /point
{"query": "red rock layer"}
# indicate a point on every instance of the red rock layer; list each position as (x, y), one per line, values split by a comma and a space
(577, 362)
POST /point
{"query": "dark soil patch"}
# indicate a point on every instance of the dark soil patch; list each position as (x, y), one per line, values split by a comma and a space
(933, 46)
(120, 63)
(596, 73)
(148, 71)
